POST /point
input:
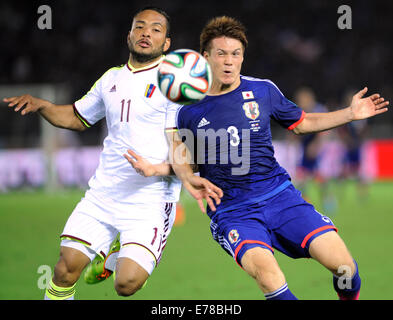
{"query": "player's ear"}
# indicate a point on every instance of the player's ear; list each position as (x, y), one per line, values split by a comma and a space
(167, 44)
(205, 54)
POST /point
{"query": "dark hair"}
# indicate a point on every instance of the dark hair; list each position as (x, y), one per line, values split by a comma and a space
(222, 27)
(161, 12)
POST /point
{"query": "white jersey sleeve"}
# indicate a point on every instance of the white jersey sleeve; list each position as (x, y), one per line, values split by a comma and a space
(171, 115)
(91, 108)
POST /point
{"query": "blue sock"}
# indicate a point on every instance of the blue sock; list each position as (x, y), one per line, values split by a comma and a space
(282, 293)
(348, 289)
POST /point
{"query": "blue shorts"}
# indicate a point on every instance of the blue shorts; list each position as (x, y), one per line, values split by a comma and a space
(285, 222)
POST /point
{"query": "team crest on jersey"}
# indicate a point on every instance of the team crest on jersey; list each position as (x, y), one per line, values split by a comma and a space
(251, 109)
(233, 236)
(149, 90)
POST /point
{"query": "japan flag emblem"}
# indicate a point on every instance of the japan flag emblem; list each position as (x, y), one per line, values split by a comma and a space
(247, 95)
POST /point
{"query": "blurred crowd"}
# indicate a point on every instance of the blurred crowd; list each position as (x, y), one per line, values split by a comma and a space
(295, 44)
(330, 156)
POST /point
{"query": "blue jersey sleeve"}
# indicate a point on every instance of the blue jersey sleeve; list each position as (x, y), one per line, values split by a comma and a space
(285, 112)
(179, 118)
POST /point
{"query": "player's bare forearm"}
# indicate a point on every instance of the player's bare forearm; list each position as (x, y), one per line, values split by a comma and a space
(200, 188)
(360, 108)
(160, 169)
(179, 158)
(145, 168)
(182, 171)
(165, 169)
(61, 116)
(316, 122)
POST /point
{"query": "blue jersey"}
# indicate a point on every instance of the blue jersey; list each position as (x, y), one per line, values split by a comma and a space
(232, 136)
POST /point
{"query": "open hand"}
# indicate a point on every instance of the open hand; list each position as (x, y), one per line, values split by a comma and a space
(363, 108)
(201, 188)
(140, 164)
(30, 103)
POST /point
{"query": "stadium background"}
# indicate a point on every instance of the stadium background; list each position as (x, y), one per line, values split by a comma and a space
(292, 43)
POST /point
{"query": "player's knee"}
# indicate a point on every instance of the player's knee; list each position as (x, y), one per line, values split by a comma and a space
(330, 250)
(261, 265)
(340, 264)
(269, 280)
(70, 266)
(66, 273)
(345, 266)
(130, 276)
(127, 287)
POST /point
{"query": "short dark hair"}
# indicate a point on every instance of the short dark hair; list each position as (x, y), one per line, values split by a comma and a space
(222, 27)
(161, 12)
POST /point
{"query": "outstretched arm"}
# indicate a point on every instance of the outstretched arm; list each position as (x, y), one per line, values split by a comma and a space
(360, 108)
(200, 188)
(147, 169)
(61, 116)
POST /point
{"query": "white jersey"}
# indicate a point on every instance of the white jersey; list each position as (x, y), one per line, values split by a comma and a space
(136, 115)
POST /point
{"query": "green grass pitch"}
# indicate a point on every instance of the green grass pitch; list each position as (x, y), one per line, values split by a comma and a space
(193, 265)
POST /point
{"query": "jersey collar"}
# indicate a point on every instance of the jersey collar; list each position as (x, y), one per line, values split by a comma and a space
(145, 68)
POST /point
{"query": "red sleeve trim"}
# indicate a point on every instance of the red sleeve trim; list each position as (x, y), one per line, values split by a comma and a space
(293, 126)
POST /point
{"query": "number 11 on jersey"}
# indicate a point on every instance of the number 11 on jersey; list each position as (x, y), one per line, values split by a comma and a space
(123, 102)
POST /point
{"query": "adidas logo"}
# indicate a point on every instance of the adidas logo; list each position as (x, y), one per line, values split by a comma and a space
(203, 123)
(113, 89)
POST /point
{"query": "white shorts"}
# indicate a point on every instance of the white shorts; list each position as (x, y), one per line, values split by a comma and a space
(143, 227)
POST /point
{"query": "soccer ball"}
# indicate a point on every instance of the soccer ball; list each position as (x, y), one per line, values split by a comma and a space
(184, 76)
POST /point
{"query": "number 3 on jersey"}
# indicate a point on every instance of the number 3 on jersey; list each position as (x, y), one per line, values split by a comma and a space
(125, 112)
(234, 136)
